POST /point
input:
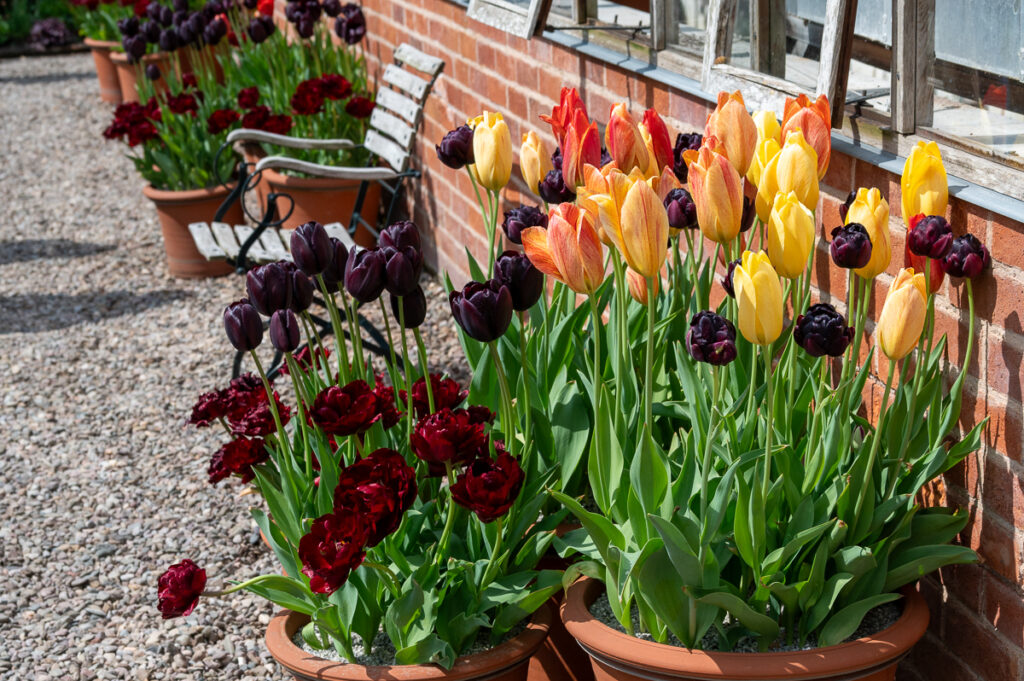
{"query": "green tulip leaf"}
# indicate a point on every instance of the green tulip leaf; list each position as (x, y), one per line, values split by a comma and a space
(845, 622)
(758, 622)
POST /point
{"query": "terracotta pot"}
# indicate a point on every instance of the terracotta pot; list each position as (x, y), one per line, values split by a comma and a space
(106, 73)
(128, 73)
(176, 210)
(324, 200)
(506, 662)
(616, 656)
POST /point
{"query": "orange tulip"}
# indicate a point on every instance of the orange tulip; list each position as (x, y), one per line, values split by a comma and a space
(625, 144)
(644, 234)
(563, 114)
(568, 249)
(734, 126)
(659, 144)
(582, 145)
(637, 284)
(602, 194)
(717, 190)
(814, 119)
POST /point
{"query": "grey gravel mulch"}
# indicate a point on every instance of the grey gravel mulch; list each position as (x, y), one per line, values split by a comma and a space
(101, 356)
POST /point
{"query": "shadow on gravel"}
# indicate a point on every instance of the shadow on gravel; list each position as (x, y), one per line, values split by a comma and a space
(38, 249)
(37, 312)
(48, 78)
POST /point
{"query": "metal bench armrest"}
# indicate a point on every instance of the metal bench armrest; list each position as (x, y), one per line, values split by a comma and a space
(319, 170)
(251, 135)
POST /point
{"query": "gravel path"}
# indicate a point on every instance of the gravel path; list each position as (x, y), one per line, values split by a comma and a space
(101, 356)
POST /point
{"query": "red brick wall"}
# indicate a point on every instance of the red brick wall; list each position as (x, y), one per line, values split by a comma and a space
(977, 629)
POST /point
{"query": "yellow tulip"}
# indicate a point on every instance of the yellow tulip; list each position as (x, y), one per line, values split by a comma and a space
(534, 160)
(644, 230)
(924, 184)
(814, 120)
(872, 211)
(758, 298)
(797, 169)
(790, 235)
(717, 191)
(492, 150)
(768, 127)
(767, 149)
(902, 319)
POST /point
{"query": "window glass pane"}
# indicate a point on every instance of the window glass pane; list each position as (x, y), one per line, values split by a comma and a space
(977, 75)
(690, 20)
(631, 13)
(779, 40)
(870, 66)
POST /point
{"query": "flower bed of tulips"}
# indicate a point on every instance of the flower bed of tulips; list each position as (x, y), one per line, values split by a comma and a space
(717, 458)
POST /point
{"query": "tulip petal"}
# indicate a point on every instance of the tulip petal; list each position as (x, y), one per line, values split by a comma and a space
(535, 244)
(644, 226)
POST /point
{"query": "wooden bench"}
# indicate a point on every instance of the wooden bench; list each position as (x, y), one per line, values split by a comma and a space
(221, 241)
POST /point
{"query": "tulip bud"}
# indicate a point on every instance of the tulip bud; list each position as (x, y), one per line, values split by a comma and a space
(930, 236)
(582, 146)
(727, 279)
(902, 318)
(851, 246)
(518, 219)
(269, 288)
(796, 169)
(717, 190)
(534, 161)
(403, 268)
(758, 298)
(845, 208)
(243, 325)
(637, 285)
(135, 47)
(414, 307)
(682, 211)
(153, 72)
(129, 26)
(765, 151)
(492, 151)
(814, 120)
(169, 39)
(284, 331)
(924, 185)
(768, 127)
(967, 257)
(365, 274)
(400, 235)
(483, 310)
(711, 339)
(151, 31)
(259, 29)
(872, 211)
(790, 232)
(350, 25)
(301, 286)
(822, 331)
(625, 141)
(554, 190)
(332, 8)
(659, 144)
(456, 149)
(690, 141)
(731, 123)
(524, 281)
(749, 211)
(311, 248)
(334, 274)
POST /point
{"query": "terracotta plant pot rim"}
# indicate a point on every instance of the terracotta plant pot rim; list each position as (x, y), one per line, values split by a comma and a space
(122, 58)
(621, 651)
(483, 665)
(94, 44)
(183, 196)
(307, 183)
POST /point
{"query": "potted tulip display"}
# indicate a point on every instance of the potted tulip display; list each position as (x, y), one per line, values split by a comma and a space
(406, 520)
(98, 24)
(738, 508)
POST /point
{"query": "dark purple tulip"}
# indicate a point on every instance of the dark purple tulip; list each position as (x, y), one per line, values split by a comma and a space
(682, 211)
(414, 307)
(305, 27)
(930, 236)
(691, 140)
(134, 47)
(301, 287)
(553, 188)
(215, 31)
(243, 325)
(400, 235)
(169, 39)
(556, 158)
(311, 248)
(151, 32)
(292, 11)
(351, 24)
(403, 267)
(128, 26)
(483, 310)
(365, 274)
(456, 149)
(284, 331)
(334, 274)
(851, 246)
(845, 208)
(822, 331)
(166, 15)
(727, 279)
(518, 219)
(524, 281)
(250, 4)
(153, 10)
(153, 72)
(967, 257)
(747, 218)
(258, 29)
(332, 8)
(180, 5)
(269, 287)
(711, 339)
(606, 158)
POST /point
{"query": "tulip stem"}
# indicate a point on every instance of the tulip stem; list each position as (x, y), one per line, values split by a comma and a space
(339, 331)
(492, 562)
(282, 436)
(524, 363)
(649, 372)
(506, 397)
(712, 432)
(293, 372)
(595, 320)
(492, 229)
(393, 367)
(770, 425)
(239, 586)
(876, 437)
(422, 349)
(352, 313)
(389, 577)
(406, 360)
(449, 522)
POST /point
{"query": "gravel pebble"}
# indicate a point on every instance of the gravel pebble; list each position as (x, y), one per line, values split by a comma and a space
(101, 356)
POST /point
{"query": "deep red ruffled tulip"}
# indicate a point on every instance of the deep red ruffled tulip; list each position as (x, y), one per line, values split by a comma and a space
(208, 408)
(183, 103)
(448, 436)
(335, 86)
(220, 120)
(347, 410)
(303, 357)
(248, 97)
(489, 487)
(332, 549)
(179, 589)
(308, 98)
(381, 488)
(448, 394)
(389, 414)
(360, 107)
(258, 420)
(237, 458)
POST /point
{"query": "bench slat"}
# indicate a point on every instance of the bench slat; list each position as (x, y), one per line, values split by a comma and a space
(225, 237)
(256, 252)
(386, 149)
(393, 127)
(420, 61)
(395, 101)
(271, 242)
(340, 232)
(404, 80)
(205, 242)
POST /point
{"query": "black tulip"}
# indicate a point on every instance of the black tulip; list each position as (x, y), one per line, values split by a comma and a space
(153, 72)
(553, 188)
(483, 310)
(727, 279)
(851, 246)
(845, 208)
(284, 331)
(822, 331)
(711, 339)
(456, 149)
(682, 211)
(269, 288)
(292, 12)
(524, 281)
(350, 25)
(257, 30)
(134, 47)
(365, 274)
(181, 5)
(166, 16)
(250, 4)
(301, 288)
(128, 26)
(414, 307)
(931, 237)
(523, 217)
(606, 158)
(967, 257)
(180, 17)
(747, 217)
(332, 8)
(403, 268)
(334, 274)
(153, 11)
(169, 39)
(400, 235)
(684, 142)
(243, 325)
(151, 32)
(305, 27)
(311, 248)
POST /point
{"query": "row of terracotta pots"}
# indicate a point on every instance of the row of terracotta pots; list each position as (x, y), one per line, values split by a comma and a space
(117, 76)
(614, 656)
